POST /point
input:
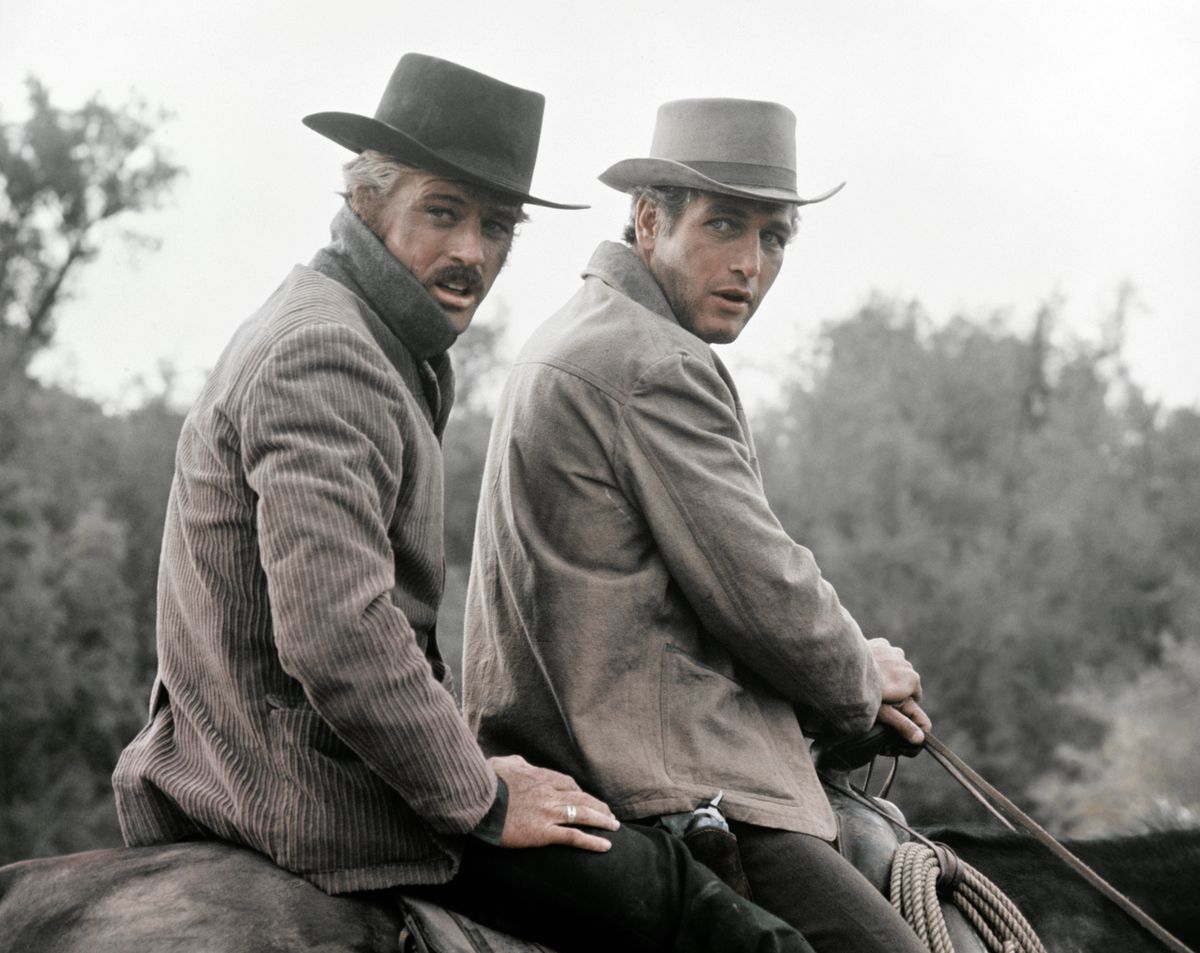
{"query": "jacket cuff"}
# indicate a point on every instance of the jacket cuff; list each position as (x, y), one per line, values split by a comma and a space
(488, 830)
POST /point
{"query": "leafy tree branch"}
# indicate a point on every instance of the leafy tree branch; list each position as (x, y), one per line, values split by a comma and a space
(65, 176)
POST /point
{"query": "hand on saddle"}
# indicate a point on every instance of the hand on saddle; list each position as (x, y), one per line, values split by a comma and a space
(545, 807)
(901, 692)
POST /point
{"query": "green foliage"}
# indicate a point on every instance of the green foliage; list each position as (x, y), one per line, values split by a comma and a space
(1010, 511)
(81, 507)
(65, 176)
(82, 495)
(479, 367)
(1146, 769)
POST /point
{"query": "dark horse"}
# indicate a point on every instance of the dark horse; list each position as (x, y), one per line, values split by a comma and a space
(1160, 872)
(214, 898)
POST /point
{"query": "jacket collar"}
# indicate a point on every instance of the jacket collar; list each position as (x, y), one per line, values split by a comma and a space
(620, 267)
(357, 259)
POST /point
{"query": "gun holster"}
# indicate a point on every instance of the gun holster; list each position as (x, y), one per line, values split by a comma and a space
(710, 841)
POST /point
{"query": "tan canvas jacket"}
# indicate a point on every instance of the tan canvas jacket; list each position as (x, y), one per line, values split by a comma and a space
(636, 615)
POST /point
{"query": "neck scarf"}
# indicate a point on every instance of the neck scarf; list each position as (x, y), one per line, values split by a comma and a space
(356, 258)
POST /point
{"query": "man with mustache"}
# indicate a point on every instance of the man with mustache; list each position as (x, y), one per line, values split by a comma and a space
(300, 707)
(636, 616)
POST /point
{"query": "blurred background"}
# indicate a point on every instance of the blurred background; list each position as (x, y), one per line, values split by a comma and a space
(973, 387)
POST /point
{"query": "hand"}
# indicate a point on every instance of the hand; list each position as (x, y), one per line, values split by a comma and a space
(537, 814)
(900, 679)
(901, 692)
(907, 718)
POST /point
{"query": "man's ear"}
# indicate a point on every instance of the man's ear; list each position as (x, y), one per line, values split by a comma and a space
(645, 223)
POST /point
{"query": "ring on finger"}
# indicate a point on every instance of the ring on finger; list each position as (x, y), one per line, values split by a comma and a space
(571, 812)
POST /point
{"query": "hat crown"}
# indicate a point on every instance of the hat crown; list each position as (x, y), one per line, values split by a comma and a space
(740, 147)
(741, 131)
(452, 121)
(467, 117)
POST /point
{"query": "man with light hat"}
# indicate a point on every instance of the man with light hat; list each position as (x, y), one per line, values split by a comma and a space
(637, 617)
(300, 707)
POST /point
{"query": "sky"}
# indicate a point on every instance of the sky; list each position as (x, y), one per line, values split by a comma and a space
(998, 155)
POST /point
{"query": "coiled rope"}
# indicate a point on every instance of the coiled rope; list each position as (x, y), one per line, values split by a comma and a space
(917, 872)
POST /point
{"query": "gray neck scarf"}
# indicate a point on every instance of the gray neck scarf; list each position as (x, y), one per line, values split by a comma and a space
(356, 258)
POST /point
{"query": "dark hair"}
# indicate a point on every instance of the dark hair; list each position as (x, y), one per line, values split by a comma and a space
(669, 200)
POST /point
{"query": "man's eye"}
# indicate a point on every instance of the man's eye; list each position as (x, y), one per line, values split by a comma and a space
(498, 229)
(440, 212)
(720, 224)
(773, 239)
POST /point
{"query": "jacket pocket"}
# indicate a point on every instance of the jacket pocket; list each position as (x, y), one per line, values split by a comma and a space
(714, 732)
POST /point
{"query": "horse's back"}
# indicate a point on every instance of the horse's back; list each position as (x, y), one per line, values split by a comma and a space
(196, 897)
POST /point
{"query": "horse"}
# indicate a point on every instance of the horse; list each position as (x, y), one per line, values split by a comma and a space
(212, 897)
(190, 897)
(1159, 871)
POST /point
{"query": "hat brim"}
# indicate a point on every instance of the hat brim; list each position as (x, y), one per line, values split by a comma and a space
(359, 133)
(628, 174)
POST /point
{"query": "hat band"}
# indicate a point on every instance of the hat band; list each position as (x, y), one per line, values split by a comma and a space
(745, 173)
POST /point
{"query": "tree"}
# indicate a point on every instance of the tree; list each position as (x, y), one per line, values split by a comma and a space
(80, 516)
(1146, 769)
(81, 509)
(67, 176)
(479, 368)
(1012, 511)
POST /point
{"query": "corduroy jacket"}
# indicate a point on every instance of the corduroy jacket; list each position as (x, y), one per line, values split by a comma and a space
(296, 710)
(637, 617)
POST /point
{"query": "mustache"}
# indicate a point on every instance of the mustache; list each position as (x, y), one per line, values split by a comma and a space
(470, 277)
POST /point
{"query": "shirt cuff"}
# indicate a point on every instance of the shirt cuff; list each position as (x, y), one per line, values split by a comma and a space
(488, 830)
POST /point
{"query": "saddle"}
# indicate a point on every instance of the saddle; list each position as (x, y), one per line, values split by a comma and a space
(871, 829)
(429, 928)
(869, 842)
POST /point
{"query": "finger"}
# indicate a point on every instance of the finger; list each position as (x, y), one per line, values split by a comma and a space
(574, 837)
(592, 817)
(583, 799)
(895, 718)
(507, 761)
(917, 714)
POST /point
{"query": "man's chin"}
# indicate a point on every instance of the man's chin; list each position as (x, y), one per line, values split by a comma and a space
(719, 332)
(459, 319)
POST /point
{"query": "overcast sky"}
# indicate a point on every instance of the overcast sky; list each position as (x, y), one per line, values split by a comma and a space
(997, 153)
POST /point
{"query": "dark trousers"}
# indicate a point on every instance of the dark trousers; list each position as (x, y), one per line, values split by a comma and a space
(807, 883)
(645, 894)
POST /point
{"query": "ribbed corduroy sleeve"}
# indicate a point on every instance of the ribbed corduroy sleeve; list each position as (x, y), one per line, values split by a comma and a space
(325, 427)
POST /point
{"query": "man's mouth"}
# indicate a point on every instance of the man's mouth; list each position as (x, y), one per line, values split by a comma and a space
(457, 287)
(736, 296)
(447, 290)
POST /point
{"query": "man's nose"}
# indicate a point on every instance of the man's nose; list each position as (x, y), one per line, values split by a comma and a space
(748, 260)
(467, 247)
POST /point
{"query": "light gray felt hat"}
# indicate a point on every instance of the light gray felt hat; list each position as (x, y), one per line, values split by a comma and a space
(740, 147)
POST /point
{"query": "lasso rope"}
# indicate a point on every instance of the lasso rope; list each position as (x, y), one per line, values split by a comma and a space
(916, 870)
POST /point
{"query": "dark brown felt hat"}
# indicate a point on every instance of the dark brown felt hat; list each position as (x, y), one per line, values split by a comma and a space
(740, 147)
(453, 121)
